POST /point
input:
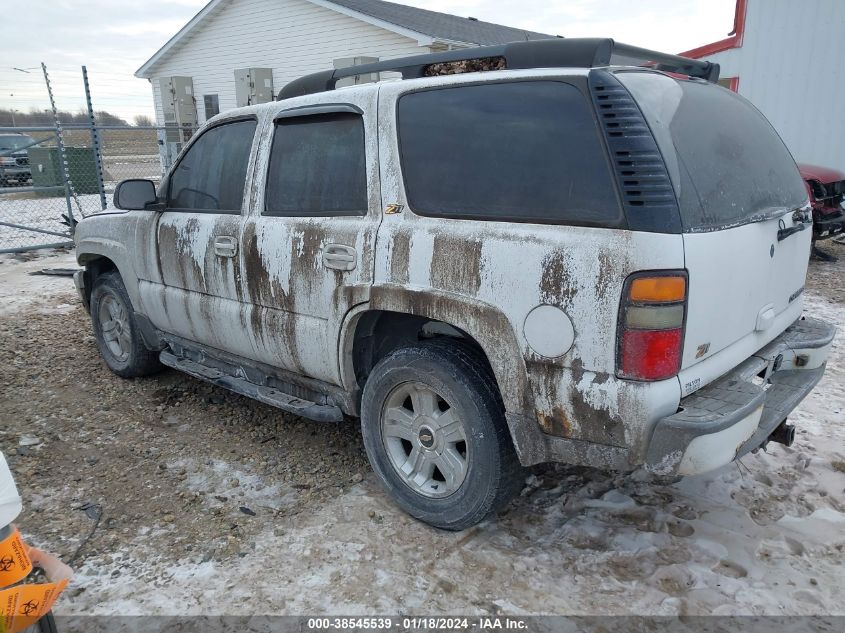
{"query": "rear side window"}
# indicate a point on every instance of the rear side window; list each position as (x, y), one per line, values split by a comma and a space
(317, 166)
(727, 163)
(521, 152)
(211, 175)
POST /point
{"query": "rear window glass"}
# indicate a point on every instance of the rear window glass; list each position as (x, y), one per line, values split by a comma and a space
(317, 166)
(520, 151)
(727, 163)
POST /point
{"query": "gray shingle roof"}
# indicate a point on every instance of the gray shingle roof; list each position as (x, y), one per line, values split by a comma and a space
(440, 25)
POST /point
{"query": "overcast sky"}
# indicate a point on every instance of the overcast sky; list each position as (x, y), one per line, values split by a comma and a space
(115, 38)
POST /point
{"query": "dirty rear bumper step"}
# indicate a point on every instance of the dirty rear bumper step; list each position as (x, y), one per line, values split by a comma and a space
(757, 395)
(267, 395)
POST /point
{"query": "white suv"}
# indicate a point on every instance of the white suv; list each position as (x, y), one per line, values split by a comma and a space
(566, 260)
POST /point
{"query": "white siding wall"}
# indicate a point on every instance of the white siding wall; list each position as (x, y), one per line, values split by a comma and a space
(293, 37)
(157, 101)
(792, 67)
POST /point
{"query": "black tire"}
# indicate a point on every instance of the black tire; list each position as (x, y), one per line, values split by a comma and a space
(134, 359)
(458, 376)
(47, 624)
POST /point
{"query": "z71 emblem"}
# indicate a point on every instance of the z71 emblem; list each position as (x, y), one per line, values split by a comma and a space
(702, 350)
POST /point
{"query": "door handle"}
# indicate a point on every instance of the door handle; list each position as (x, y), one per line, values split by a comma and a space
(339, 257)
(225, 246)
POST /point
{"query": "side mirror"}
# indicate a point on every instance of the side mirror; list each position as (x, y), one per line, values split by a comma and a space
(134, 194)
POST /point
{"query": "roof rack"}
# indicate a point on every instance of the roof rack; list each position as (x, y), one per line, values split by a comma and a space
(550, 53)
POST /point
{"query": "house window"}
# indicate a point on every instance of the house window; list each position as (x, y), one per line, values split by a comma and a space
(212, 106)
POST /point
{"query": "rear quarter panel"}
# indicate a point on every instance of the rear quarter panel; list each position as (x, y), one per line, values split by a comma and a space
(486, 277)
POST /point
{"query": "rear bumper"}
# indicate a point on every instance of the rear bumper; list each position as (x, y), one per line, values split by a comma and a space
(738, 412)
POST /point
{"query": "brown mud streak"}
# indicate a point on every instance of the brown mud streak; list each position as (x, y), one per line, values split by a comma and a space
(179, 269)
(607, 272)
(596, 425)
(172, 271)
(556, 287)
(263, 288)
(193, 273)
(489, 327)
(555, 423)
(593, 425)
(400, 258)
(306, 245)
(456, 264)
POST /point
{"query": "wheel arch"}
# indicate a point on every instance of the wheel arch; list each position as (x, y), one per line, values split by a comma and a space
(103, 255)
(480, 324)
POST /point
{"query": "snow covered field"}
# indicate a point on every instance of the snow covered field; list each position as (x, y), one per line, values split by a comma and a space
(172, 463)
(45, 213)
(39, 213)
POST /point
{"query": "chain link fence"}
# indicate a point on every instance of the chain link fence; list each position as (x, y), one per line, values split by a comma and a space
(57, 171)
(42, 192)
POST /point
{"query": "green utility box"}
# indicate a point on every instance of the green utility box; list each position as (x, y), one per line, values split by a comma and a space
(46, 166)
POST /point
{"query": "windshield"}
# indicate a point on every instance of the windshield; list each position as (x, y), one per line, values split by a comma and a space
(13, 142)
(727, 163)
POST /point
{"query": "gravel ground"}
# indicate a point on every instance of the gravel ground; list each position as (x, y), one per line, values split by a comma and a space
(170, 496)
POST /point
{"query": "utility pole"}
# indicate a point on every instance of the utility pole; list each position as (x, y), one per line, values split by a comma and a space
(26, 72)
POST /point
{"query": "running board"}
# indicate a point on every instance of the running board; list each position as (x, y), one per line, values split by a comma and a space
(267, 395)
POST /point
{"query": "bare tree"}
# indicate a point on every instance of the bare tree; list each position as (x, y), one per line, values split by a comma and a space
(45, 117)
(142, 120)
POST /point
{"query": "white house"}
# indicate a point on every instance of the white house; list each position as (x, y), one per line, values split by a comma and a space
(788, 58)
(239, 52)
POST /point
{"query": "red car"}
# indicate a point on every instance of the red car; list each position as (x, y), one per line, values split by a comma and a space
(826, 187)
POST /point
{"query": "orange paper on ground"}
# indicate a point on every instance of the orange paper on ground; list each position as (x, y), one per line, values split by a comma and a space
(21, 606)
(14, 561)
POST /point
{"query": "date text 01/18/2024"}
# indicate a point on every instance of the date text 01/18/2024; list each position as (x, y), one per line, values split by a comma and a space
(482, 623)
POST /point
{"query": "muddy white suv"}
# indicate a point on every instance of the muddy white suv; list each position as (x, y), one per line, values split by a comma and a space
(567, 260)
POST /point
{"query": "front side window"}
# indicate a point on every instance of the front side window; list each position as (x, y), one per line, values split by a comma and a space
(212, 174)
(518, 151)
(318, 166)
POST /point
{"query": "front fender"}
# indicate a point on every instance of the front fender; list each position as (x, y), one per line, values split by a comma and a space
(107, 236)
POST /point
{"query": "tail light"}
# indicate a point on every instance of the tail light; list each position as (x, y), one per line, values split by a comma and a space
(651, 325)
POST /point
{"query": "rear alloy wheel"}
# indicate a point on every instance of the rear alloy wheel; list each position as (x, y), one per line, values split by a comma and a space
(435, 433)
(426, 441)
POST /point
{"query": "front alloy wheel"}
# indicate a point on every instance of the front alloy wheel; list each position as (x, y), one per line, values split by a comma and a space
(114, 325)
(116, 329)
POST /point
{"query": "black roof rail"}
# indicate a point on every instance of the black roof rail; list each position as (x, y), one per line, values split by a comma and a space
(550, 53)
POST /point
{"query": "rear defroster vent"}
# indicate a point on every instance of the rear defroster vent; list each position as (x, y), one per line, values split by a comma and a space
(647, 193)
